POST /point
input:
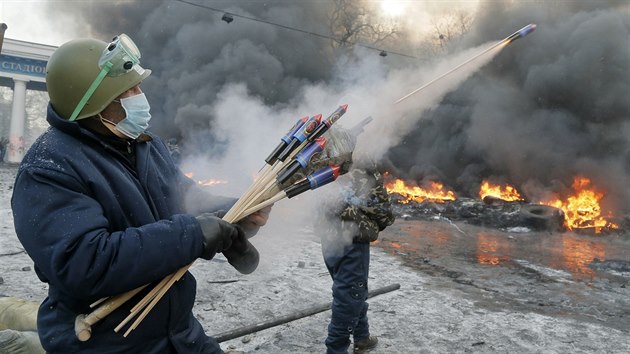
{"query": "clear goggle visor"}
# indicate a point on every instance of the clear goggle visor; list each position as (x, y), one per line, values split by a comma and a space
(118, 58)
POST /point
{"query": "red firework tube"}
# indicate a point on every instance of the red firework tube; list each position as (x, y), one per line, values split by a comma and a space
(302, 159)
(328, 122)
(285, 140)
(300, 136)
(314, 180)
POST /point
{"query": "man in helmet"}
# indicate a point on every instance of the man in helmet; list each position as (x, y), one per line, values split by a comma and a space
(101, 209)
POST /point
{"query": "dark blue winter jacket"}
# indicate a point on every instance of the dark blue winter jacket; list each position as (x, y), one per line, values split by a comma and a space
(98, 224)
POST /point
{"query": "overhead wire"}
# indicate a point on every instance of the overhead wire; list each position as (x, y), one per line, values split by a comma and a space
(383, 52)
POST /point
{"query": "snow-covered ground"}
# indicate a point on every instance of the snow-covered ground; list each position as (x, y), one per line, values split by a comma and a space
(445, 304)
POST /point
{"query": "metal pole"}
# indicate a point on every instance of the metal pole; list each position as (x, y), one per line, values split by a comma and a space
(3, 27)
(239, 332)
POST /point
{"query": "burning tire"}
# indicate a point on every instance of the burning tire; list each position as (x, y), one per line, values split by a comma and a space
(542, 217)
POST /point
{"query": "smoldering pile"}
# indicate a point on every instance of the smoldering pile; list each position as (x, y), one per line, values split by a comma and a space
(515, 216)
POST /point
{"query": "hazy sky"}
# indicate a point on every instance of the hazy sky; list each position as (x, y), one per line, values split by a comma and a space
(27, 21)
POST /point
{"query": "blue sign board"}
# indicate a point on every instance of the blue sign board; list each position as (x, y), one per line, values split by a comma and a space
(24, 66)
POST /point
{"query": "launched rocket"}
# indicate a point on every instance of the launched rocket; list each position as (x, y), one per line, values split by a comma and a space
(511, 38)
(521, 33)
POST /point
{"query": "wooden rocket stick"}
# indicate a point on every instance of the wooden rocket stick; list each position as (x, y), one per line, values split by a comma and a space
(142, 303)
(245, 200)
(173, 278)
(253, 188)
(83, 323)
(253, 209)
(262, 185)
(158, 294)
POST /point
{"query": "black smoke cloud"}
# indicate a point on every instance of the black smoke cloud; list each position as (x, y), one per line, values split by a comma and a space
(550, 106)
(194, 54)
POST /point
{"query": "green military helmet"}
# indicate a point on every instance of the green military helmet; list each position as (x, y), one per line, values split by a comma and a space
(83, 76)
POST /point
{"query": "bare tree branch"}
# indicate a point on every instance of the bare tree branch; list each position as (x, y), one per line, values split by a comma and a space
(352, 22)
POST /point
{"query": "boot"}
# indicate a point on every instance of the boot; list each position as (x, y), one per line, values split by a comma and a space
(365, 345)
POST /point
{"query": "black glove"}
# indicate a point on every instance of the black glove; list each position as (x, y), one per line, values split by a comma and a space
(248, 228)
(217, 234)
(242, 255)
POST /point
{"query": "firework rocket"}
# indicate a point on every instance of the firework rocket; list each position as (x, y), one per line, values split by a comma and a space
(328, 122)
(310, 131)
(511, 38)
(285, 141)
(302, 159)
(521, 33)
(304, 132)
(314, 180)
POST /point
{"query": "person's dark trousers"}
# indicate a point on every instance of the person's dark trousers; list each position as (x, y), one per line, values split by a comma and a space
(349, 270)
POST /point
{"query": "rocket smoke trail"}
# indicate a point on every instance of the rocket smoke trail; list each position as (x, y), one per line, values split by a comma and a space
(516, 35)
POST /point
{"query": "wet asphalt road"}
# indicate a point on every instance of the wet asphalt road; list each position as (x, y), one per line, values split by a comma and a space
(582, 276)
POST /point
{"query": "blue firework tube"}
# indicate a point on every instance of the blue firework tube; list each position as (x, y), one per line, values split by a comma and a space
(521, 33)
(328, 122)
(323, 176)
(302, 159)
(300, 136)
(307, 129)
(314, 180)
(289, 135)
(285, 140)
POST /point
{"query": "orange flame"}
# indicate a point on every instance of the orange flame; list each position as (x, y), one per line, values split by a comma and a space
(205, 182)
(582, 210)
(416, 194)
(507, 192)
(211, 182)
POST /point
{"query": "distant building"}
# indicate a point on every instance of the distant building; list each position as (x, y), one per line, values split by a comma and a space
(22, 67)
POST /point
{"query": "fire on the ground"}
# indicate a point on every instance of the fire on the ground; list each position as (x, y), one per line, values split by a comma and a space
(581, 209)
(205, 182)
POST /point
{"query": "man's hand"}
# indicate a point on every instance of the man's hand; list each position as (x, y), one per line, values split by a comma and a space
(253, 222)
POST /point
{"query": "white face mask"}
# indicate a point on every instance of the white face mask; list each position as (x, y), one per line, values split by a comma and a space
(138, 116)
(137, 120)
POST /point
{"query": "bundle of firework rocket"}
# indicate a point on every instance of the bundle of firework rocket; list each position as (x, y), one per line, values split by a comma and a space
(298, 164)
(294, 153)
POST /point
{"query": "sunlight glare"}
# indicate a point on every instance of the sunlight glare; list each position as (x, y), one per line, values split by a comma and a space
(392, 8)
